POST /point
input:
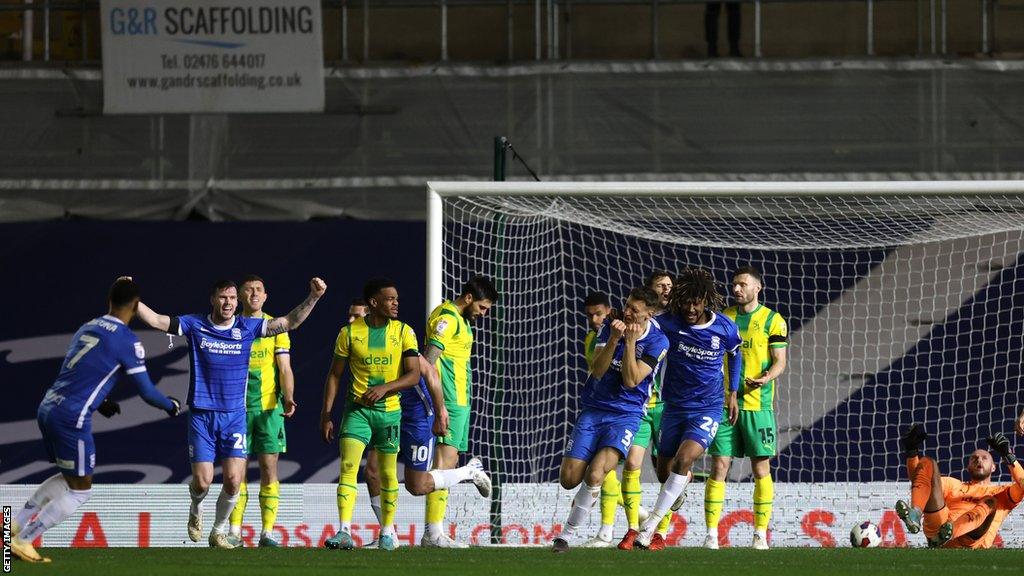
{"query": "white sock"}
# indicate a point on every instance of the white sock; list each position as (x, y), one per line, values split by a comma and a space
(236, 530)
(447, 478)
(389, 531)
(581, 505)
(346, 526)
(51, 488)
(225, 504)
(434, 529)
(763, 533)
(375, 504)
(55, 511)
(670, 490)
(606, 532)
(197, 499)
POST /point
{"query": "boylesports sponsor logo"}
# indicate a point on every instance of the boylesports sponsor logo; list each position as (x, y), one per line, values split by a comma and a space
(696, 352)
(217, 347)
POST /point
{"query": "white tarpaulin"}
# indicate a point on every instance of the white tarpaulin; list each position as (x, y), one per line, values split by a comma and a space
(203, 56)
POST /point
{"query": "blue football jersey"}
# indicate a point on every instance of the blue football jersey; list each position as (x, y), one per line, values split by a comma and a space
(694, 376)
(219, 358)
(100, 351)
(608, 392)
(417, 401)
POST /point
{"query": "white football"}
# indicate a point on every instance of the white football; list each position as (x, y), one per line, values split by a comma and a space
(865, 535)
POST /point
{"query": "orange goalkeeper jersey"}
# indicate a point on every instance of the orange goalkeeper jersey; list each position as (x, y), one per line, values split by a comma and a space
(963, 496)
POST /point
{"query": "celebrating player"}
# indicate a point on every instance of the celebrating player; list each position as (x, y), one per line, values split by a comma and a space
(269, 399)
(958, 514)
(101, 351)
(660, 282)
(699, 339)
(614, 399)
(449, 345)
(383, 359)
(219, 348)
(764, 358)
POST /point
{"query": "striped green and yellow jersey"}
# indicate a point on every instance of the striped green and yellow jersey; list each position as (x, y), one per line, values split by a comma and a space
(375, 357)
(263, 391)
(450, 332)
(589, 343)
(761, 330)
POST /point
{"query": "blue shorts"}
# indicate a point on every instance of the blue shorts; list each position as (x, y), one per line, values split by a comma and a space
(72, 449)
(213, 435)
(680, 424)
(597, 429)
(417, 439)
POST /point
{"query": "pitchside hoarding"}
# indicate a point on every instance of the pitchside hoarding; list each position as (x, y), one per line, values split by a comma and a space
(202, 56)
(812, 514)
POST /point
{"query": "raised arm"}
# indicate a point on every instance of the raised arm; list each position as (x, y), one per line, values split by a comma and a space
(298, 315)
(330, 393)
(152, 319)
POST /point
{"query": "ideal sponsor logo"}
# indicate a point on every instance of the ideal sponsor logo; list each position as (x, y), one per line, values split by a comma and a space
(374, 360)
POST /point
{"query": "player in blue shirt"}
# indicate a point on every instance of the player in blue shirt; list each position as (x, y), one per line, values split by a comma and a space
(614, 400)
(424, 417)
(219, 345)
(694, 385)
(101, 351)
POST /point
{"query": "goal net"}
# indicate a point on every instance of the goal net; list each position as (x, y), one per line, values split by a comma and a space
(905, 303)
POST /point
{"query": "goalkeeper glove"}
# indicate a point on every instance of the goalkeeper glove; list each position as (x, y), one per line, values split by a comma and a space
(1001, 444)
(177, 407)
(912, 440)
(108, 408)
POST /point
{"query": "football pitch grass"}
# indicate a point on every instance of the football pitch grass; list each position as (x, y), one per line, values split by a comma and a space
(524, 562)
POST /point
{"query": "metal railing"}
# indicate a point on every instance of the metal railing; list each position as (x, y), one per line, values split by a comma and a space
(547, 22)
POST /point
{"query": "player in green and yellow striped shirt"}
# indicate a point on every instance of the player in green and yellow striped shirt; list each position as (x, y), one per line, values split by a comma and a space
(596, 307)
(269, 399)
(383, 358)
(765, 340)
(449, 346)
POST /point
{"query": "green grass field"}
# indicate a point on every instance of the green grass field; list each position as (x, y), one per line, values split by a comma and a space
(524, 561)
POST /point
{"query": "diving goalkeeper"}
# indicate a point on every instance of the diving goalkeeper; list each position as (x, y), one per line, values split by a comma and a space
(957, 514)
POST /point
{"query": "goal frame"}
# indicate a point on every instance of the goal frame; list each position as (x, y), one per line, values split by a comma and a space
(437, 191)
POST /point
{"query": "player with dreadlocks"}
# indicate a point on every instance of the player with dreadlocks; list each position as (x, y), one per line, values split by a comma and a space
(693, 387)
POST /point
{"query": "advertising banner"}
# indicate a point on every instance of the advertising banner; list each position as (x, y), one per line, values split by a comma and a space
(812, 514)
(211, 56)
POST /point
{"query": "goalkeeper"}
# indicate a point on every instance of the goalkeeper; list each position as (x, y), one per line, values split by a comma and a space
(957, 514)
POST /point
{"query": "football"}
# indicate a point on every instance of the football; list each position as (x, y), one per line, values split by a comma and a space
(865, 535)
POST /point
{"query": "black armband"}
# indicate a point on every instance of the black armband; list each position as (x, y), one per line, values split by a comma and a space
(410, 354)
(650, 361)
(174, 327)
(776, 338)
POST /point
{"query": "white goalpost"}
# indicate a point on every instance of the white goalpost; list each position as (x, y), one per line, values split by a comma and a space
(905, 302)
